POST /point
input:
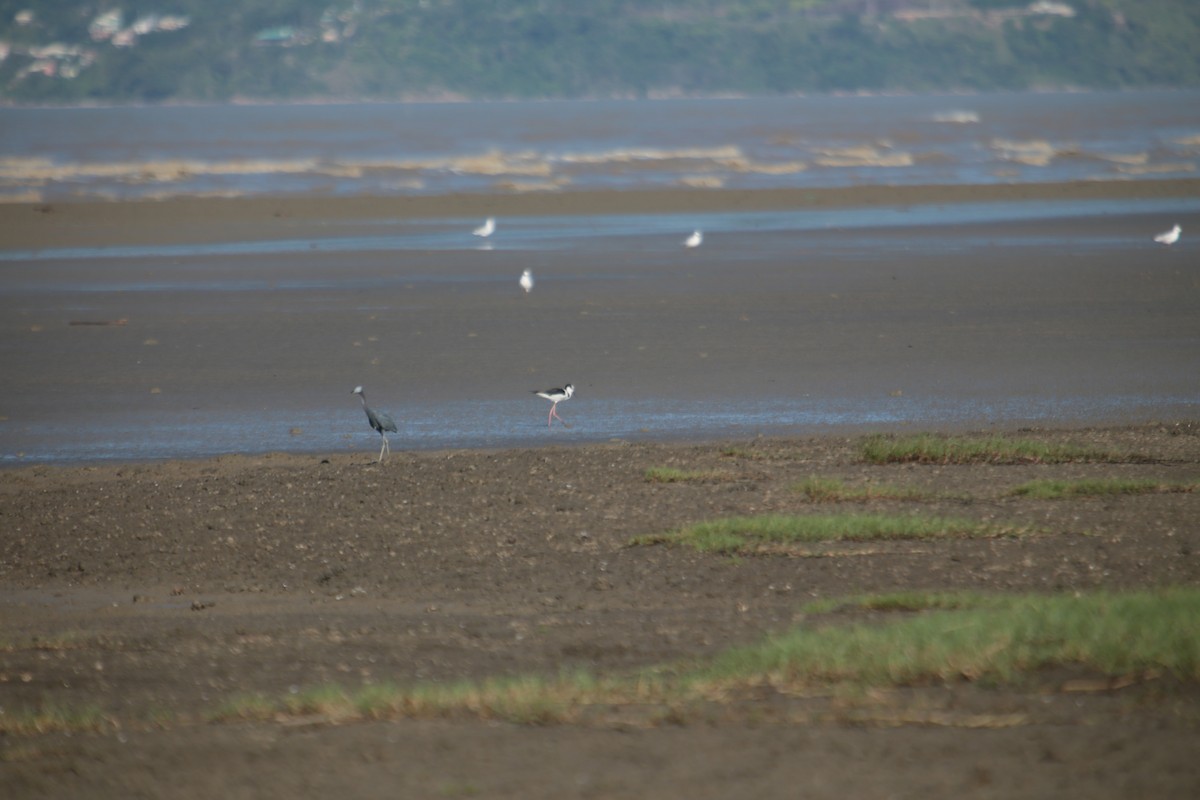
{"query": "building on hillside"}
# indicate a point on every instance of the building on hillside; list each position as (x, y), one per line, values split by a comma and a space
(143, 25)
(105, 26)
(1052, 9)
(173, 22)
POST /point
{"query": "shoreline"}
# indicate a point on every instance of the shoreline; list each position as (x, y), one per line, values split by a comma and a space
(358, 443)
(451, 98)
(65, 223)
(21, 474)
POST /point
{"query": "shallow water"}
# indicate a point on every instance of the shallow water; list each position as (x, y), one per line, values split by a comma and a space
(1078, 319)
(788, 322)
(423, 148)
(522, 423)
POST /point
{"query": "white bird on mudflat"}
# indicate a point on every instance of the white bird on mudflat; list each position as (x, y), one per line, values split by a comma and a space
(555, 396)
(1169, 237)
(527, 281)
(695, 240)
(487, 228)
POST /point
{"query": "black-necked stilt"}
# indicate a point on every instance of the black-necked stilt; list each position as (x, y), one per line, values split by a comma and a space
(487, 228)
(527, 281)
(695, 240)
(556, 396)
(380, 421)
(1169, 237)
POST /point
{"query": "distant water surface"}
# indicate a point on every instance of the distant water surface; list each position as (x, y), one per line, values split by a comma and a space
(440, 148)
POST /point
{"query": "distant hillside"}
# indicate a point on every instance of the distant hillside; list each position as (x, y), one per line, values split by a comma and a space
(70, 51)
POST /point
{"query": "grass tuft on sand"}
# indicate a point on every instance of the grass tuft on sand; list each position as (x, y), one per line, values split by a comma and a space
(832, 490)
(676, 475)
(53, 718)
(772, 531)
(934, 449)
(525, 700)
(1050, 489)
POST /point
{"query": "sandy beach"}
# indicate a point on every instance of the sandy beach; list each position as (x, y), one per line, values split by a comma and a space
(155, 591)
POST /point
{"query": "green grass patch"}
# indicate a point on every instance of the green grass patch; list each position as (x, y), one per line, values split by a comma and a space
(523, 700)
(330, 701)
(833, 490)
(243, 707)
(994, 638)
(53, 719)
(1058, 489)
(750, 534)
(673, 475)
(943, 637)
(940, 637)
(932, 449)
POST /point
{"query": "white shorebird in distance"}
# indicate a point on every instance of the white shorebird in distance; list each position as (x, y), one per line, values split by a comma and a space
(556, 396)
(486, 229)
(527, 281)
(1169, 237)
(695, 240)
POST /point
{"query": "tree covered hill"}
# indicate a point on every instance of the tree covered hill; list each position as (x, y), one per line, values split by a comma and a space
(71, 51)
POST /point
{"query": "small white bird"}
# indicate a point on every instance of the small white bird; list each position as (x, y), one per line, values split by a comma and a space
(556, 396)
(695, 240)
(487, 228)
(1169, 237)
(527, 281)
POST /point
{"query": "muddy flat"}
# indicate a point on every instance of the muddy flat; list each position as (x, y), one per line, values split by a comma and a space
(146, 598)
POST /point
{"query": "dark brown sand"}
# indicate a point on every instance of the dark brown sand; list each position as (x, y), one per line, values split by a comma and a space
(157, 593)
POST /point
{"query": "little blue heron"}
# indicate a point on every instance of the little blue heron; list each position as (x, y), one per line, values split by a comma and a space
(380, 421)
